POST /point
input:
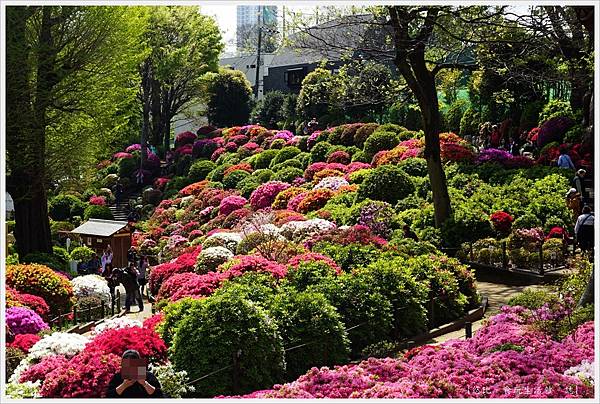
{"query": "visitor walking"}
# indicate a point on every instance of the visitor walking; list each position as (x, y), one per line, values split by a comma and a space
(107, 274)
(573, 201)
(142, 274)
(495, 137)
(107, 257)
(134, 380)
(312, 126)
(131, 255)
(118, 192)
(584, 229)
(408, 233)
(577, 183)
(132, 288)
(564, 161)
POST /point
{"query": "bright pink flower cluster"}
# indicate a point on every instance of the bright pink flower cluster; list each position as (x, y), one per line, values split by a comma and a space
(312, 257)
(86, 375)
(264, 195)
(255, 263)
(231, 203)
(23, 320)
(122, 155)
(35, 303)
(40, 370)
(98, 200)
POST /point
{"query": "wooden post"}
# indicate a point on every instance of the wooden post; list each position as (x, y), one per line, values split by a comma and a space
(102, 308)
(118, 300)
(432, 319)
(471, 251)
(468, 330)
(541, 259)
(75, 314)
(504, 256)
(89, 312)
(59, 320)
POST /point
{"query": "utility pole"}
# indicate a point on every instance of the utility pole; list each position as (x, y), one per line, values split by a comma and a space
(260, 10)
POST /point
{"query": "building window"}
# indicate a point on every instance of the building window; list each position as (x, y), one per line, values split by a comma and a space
(294, 77)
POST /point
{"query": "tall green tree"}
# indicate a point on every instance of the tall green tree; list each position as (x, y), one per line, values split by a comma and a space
(68, 81)
(228, 96)
(184, 46)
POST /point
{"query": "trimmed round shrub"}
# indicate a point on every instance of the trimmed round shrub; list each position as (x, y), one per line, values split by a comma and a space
(55, 227)
(319, 152)
(379, 141)
(173, 313)
(127, 166)
(363, 133)
(284, 154)
(83, 253)
(41, 281)
(231, 180)
(200, 169)
(98, 212)
(63, 207)
(288, 174)
(309, 273)
(226, 329)
(416, 166)
(218, 173)
(263, 175)
(263, 159)
(210, 258)
(386, 183)
(308, 318)
(247, 186)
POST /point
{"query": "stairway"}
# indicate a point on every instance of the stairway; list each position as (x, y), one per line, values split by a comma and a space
(121, 211)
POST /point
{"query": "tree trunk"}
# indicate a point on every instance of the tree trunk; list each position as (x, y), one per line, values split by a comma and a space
(156, 113)
(146, 88)
(167, 133)
(26, 129)
(588, 294)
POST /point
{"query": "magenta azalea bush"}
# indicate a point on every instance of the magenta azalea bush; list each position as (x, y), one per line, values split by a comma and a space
(265, 195)
(505, 359)
(23, 320)
(231, 203)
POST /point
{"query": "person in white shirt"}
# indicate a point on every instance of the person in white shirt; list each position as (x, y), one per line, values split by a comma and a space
(107, 257)
(584, 229)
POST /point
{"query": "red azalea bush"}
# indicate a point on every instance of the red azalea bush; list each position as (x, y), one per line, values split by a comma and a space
(339, 156)
(24, 341)
(185, 138)
(98, 200)
(39, 371)
(153, 321)
(241, 166)
(41, 281)
(557, 232)
(456, 152)
(173, 284)
(200, 285)
(185, 150)
(160, 273)
(116, 341)
(501, 221)
(86, 375)
(314, 168)
(312, 257)
(122, 155)
(217, 153)
(255, 263)
(161, 183)
(35, 303)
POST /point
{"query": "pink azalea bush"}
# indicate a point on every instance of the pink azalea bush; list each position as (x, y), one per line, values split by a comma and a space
(231, 203)
(504, 359)
(23, 320)
(98, 200)
(265, 195)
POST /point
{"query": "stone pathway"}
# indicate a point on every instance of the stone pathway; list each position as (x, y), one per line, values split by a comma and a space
(499, 289)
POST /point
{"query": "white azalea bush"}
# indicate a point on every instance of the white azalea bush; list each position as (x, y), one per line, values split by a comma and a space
(18, 391)
(91, 285)
(224, 239)
(172, 382)
(333, 183)
(209, 259)
(584, 371)
(300, 230)
(115, 324)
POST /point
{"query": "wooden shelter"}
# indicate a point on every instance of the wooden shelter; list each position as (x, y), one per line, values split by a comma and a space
(99, 233)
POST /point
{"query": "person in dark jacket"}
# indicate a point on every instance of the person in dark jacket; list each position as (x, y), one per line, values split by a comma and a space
(124, 385)
(408, 233)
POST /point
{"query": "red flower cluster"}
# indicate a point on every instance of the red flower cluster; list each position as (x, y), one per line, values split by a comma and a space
(24, 341)
(116, 341)
(501, 221)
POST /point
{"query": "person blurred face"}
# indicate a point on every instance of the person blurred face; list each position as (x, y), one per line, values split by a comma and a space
(133, 369)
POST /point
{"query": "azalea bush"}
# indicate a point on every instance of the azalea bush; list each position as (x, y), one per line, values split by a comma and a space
(41, 281)
(23, 320)
(91, 285)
